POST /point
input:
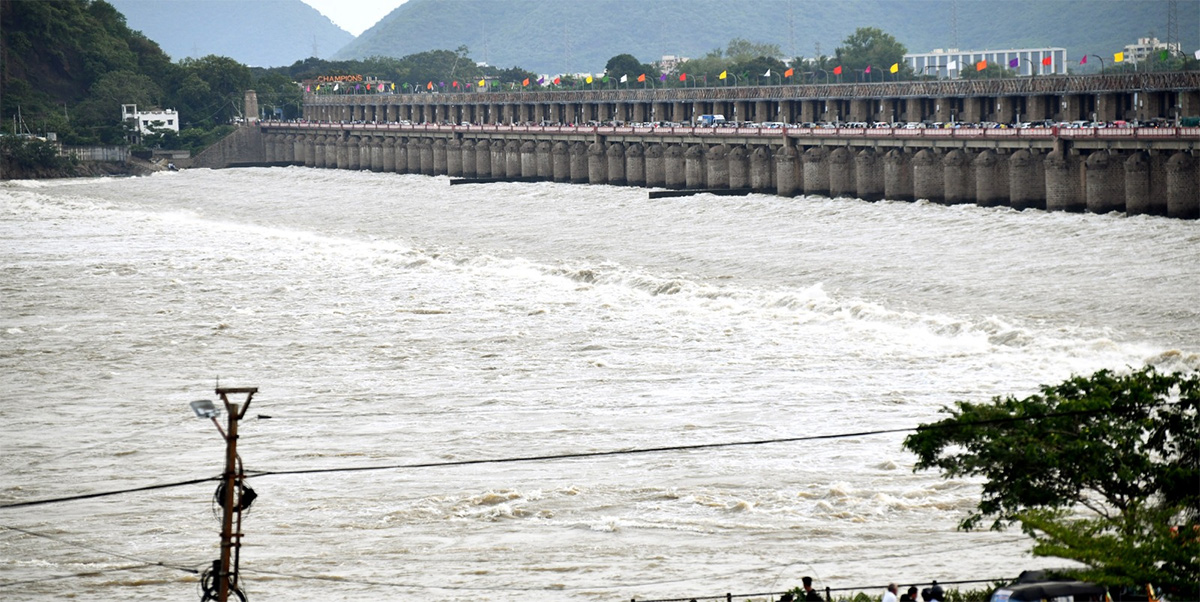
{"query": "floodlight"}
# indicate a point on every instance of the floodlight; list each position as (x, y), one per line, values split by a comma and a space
(204, 408)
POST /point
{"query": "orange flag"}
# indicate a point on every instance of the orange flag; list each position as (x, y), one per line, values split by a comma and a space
(429, 86)
(789, 72)
(525, 82)
(981, 65)
(642, 77)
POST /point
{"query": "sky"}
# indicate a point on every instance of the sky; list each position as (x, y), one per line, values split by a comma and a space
(355, 16)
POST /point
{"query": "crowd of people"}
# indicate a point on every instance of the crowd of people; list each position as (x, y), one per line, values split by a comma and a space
(933, 593)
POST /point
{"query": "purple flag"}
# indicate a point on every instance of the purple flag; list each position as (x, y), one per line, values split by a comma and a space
(1014, 62)
(441, 84)
(662, 78)
(541, 80)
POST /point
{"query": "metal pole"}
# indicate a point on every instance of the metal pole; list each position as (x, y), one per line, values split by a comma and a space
(230, 481)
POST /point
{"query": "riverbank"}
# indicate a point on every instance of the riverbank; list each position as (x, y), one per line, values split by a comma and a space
(82, 169)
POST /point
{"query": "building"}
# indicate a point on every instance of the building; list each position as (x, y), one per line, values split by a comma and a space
(951, 63)
(1145, 47)
(145, 122)
(669, 62)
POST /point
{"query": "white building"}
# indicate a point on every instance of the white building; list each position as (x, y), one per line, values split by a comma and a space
(1145, 47)
(951, 63)
(669, 62)
(158, 119)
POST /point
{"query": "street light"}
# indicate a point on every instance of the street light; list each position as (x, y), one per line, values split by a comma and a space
(1101, 59)
(232, 495)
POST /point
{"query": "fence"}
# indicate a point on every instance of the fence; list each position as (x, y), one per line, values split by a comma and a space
(112, 154)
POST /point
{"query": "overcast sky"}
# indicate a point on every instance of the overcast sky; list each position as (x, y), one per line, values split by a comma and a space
(355, 16)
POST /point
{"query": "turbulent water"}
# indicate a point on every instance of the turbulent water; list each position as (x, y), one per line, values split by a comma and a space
(395, 320)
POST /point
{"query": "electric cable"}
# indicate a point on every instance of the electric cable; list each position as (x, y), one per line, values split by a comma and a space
(85, 496)
(95, 573)
(579, 455)
(102, 551)
(674, 448)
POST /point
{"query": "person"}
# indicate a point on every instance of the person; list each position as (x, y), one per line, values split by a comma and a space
(910, 595)
(890, 595)
(936, 592)
(810, 594)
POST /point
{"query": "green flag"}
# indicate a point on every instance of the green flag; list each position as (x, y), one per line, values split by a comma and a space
(1162, 56)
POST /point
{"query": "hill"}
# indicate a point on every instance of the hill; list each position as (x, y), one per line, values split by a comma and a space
(581, 35)
(259, 33)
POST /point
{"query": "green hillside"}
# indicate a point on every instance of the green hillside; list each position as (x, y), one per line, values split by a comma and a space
(581, 35)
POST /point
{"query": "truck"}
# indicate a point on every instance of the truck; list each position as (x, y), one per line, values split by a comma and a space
(709, 121)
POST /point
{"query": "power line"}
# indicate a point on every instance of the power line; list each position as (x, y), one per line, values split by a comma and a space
(697, 446)
(146, 562)
(77, 575)
(86, 496)
(598, 454)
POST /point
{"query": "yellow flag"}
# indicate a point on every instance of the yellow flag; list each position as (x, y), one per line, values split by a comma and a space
(895, 67)
(482, 83)
(721, 76)
(588, 80)
(1119, 57)
(393, 87)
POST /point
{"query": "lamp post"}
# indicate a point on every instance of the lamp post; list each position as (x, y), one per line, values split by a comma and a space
(233, 497)
(1101, 59)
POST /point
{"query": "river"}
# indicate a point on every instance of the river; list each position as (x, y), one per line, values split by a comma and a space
(393, 320)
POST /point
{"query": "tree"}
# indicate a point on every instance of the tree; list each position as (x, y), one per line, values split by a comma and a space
(870, 46)
(626, 64)
(740, 50)
(1101, 469)
(991, 71)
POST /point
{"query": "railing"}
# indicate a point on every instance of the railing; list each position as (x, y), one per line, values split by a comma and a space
(1128, 133)
(1011, 86)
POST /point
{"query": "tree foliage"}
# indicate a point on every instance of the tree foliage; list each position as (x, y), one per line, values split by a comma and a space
(870, 46)
(1098, 469)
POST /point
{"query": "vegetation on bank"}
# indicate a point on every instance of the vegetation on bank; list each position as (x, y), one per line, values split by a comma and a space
(1101, 470)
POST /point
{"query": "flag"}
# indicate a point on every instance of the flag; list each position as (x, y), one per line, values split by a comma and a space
(482, 83)
(790, 72)
(441, 84)
(1198, 55)
(722, 75)
(1083, 61)
(308, 88)
(381, 87)
(642, 78)
(525, 82)
(1162, 56)
(625, 78)
(867, 70)
(1046, 61)
(588, 80)
(895, 68)
(1012, 63)
(662, 78)
(557, 81)
(951, 66)
(393, 86)
(768, 73)
(837, 70)
(604, 79)
(981, 65)
(1119, 57)
(318, 87)
(429, 86)
(541, 80)
(455, 84)
(336, 86)
(682, 77)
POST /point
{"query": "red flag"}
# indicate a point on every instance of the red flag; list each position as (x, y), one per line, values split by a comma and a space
(557, 81)
(682, 77)
(1046, 61)
(789, 72)
(867, 70)
(642, 77)
(525, 82)
(455, 84)
(837, 70)
(1083, 61)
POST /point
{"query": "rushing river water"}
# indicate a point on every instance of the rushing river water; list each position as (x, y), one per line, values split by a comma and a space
(396, 320)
